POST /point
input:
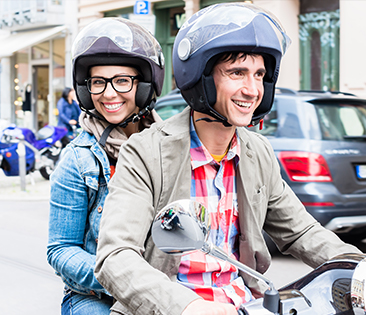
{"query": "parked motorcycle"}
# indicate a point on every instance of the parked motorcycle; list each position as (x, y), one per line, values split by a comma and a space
(42, 150)
(335, 287)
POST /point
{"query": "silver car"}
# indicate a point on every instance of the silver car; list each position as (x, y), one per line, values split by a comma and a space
(320, 141)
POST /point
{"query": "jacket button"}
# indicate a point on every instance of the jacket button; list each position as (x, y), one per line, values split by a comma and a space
(96, 240)
(100, 209)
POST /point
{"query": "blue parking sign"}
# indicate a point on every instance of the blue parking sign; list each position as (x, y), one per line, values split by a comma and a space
(141, 7)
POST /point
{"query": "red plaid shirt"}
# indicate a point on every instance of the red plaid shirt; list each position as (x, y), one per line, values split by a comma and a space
(213, 184)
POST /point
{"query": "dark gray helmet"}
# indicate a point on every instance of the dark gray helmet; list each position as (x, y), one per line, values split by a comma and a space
(222, 28)
(118, 41)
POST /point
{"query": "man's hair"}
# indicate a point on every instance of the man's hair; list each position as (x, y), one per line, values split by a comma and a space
(234, 56)
(227, 56)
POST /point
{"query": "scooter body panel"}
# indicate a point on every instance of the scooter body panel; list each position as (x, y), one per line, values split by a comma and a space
(10, 137)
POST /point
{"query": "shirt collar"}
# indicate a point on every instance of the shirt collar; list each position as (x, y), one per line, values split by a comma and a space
(200, 155)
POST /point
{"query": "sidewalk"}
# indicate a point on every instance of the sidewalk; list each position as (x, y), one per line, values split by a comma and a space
(36, 187)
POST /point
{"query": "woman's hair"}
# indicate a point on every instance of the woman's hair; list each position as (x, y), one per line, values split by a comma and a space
(65, 93)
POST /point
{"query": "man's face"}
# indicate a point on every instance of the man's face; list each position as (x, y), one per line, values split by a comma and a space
(239, 87)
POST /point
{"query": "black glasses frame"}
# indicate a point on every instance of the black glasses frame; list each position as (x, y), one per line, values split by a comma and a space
(110, 80)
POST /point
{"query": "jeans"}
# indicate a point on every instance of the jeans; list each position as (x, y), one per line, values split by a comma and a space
(80, 304)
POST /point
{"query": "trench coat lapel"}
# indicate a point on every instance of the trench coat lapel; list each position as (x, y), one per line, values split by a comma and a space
(175, 155)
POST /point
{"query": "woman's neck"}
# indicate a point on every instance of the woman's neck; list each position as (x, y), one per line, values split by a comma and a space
(131, 128)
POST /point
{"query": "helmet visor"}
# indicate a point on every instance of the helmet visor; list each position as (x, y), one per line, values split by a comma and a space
(237, 16)
(126, 35)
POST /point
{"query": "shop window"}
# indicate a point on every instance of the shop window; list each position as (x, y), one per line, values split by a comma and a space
(315, 61)
(58, 80)
(21, 88)
(41, 51)
(177, 18)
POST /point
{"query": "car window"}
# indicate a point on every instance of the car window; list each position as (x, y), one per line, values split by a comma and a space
(269, 123)
(342, 122)
(169, 108)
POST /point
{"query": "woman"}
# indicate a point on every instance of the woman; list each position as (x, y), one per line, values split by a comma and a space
(117, 72)
(68, 110)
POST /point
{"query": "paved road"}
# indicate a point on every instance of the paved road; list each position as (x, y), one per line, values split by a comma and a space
(28, 284)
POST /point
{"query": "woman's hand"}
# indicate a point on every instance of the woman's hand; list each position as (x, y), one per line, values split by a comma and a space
(202, 307)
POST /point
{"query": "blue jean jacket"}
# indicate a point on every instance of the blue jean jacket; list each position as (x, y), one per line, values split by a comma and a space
(76, 207)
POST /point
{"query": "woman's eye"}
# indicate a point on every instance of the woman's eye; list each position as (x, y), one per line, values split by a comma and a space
(98, 82)
(121, 81)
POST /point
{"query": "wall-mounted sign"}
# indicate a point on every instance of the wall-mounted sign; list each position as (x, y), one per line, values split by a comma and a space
(147, 21)
(141, 7)
(179, 20)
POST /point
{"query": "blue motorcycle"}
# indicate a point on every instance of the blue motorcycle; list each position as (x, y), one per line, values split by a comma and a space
(42, 150)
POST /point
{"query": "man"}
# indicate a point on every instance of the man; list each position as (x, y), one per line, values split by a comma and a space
(226, 60)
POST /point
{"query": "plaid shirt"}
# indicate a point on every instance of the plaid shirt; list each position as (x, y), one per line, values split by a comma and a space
(213, 184)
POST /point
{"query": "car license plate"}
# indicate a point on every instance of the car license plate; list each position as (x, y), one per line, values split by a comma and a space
(361, 171)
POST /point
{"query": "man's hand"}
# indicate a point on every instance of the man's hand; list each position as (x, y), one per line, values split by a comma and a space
(202, 307)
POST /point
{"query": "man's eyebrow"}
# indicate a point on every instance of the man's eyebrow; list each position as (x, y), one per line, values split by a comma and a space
(244, 69)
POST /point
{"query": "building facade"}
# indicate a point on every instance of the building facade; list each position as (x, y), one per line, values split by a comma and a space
(164, 19)
(35, 44)
(325, 54)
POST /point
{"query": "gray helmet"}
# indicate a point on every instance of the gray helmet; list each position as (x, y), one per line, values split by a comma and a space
(223, 28)
(118, 41)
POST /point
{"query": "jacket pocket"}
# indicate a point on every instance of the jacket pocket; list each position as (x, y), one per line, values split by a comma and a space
(259, 195)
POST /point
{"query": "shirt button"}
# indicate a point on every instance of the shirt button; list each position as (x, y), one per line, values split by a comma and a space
(100, 209)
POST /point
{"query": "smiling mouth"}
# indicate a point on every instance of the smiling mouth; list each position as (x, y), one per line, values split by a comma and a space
(243, 104)
(113, 107)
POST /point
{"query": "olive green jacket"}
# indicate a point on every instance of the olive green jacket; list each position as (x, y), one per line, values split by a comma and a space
(154, 169)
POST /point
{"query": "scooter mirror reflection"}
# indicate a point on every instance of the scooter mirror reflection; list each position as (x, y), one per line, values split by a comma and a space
(184, 226)
(181, 226)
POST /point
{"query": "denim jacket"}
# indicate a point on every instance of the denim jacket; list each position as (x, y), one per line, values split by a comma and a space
(76, 206)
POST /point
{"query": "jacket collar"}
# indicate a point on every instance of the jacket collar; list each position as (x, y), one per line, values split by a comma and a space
(86, 139)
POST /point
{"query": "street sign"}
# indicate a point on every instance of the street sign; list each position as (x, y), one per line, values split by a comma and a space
(141, 7)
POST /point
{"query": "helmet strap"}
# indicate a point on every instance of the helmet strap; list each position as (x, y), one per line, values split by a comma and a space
(134, 118)
(209, 87)
(224, 122)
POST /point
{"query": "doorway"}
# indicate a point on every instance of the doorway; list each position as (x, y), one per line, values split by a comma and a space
(40, 96)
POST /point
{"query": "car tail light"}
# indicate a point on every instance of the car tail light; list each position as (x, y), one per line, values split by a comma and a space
(305, 166)
(318, 204)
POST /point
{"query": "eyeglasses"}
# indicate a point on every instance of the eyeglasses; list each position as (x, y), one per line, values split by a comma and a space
(120, 83)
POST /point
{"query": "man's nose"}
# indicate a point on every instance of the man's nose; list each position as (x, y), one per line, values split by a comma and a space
(250, 86)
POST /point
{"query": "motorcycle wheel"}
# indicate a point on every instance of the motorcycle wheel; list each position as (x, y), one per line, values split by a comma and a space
(53, 154)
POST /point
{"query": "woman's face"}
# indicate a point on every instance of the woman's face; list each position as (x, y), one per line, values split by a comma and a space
(113, 105)
(71, 96)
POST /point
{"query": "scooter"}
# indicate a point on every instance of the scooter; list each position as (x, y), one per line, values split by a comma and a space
(42, 150)
(335, 287)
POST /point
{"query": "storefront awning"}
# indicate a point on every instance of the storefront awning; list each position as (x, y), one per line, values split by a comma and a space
(14, 42)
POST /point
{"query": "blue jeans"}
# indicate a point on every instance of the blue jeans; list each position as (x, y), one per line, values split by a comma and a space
(80, 304)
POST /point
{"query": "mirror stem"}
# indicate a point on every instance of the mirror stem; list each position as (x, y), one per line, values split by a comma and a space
(271, 296)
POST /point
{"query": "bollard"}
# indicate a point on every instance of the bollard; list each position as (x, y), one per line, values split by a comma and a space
(22, 164)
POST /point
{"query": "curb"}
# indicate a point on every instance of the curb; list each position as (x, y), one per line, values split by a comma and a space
(36, 188)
